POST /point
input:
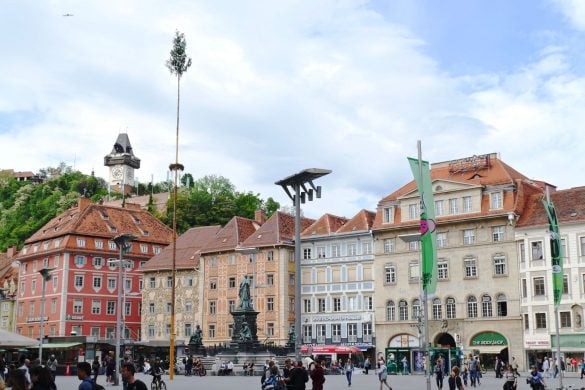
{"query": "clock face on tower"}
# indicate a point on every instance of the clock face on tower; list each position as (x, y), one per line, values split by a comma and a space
(117, 173)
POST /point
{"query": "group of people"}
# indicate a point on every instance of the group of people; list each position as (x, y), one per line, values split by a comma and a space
(28, 376)
(225, 368)
(292, 377)
(192, 366)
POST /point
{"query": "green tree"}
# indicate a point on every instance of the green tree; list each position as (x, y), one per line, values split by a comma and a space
(270, 206)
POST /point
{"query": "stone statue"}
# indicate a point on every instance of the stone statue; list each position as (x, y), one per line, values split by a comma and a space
(245, 301)
(195, 339)
(291, 336)
(245, 332)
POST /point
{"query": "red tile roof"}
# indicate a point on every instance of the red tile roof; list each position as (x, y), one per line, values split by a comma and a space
(325, 225)
(95, 220)
(569, 205)
(278, 230)
(232, 235)
(187, 256)
(362, 221)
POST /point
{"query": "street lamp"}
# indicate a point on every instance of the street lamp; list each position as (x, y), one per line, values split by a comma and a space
(123, 242)
(46, 275)
(298, 183)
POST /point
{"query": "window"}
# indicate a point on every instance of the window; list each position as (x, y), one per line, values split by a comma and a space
(33, 286)
(232, 282)
(368, 303)
(468, 236)
(321, 254)
(334, 250)
(352, 333)
(156, 250)
(403, 310)
(388, 245)
(143, 248)
(536, 250)
(112, 263)
(442, 269)
(453, 207)
(270, 304)
(96, 306)
(441, 240)
(46, 262)
(152, 282)
(55, 281)
(522, 251)
(524, 288)
(539, 287)
(127, 284)
(127, 308)
(439, 207)
(188, 281)
(291, 279)
(307, 305)
(98, 262)
(188, 307)
(565, 319)
(170, 281)
(486, 306)
(564, 249)
(95, 331)
(78, 281)
(413, 211)
(390, 311)
(187, 329)
(437, 309)
(77, 306)
(110, 307)
(111, 283)
(213, 284)
(565, 284)
(367, 248)
(270, 329)
(450, 308)
(336, 304)
(80, 261)
(99, 244)
(306, 253)
(413, 245)
(212, 307)
(540, 320)
(53, 305)
(211, 331)
(31, 309)
(502, 305)
(112, 245)
(213, 262)
(270, 256)
(500, 265)
(413, 270)
(526, 322)
(496, 200)
(151, 308)
(470, 267)
(80, 243)
(498, 233)
(390, 274)
(351, 249)
(97, 282)
(388, 215)
(582, 246)
(307, 333)
(150, 330)
(472, 307)
(467, 204)
(321, 305)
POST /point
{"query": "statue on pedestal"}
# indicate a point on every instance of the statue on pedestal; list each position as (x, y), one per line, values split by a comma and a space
(245, 300)
(245, 333)
(196, 340)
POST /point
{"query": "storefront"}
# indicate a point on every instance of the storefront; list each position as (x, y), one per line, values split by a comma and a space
(572, 346)
(489, 345)
(333, 353)
(404, 346)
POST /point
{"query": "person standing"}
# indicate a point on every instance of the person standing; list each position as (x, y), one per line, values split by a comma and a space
(348, 368)
(298, 377)
(497, 367)
(546, 367)
(84, 374)
(367, 365)
(439, 373)
(510, 379)
(404, 365)
(52, 366)
(473, 371)
(128, 372)
(95, 367)
(318, 376)
(582, 368)
(455, 380)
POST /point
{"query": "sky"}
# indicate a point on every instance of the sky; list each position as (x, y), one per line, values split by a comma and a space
(276, 87)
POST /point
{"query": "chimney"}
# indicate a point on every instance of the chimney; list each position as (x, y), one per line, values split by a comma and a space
(259, 217)
(11, 251)
(83, 203)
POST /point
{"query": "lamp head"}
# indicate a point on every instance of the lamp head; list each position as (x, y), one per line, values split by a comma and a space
(123, 241)
(46, 273)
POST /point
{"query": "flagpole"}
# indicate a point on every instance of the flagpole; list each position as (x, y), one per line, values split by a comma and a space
(427, 348)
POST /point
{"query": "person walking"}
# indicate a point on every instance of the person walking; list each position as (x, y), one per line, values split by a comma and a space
(298, 377)
(510, 379)
(52, 365)
(536, 379)
(95, 367)
(383, 374)
(348, 369)
(455, 380)
(546, 367)
(439, 373)
(84, 374)
(318, 376)
(472, 370)
(367, 365)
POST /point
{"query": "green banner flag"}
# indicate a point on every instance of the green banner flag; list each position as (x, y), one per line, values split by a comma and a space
(555, 250)
(428, 235)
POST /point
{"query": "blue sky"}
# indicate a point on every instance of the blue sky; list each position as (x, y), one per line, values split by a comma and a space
(277, 87)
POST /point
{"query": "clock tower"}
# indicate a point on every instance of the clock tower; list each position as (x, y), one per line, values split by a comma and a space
(122, 163)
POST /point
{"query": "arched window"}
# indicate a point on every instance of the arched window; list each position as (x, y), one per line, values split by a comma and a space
(502, 304)
(416, 309)
(403, 307)
(472, 307)
(486, 306)
(437, 309)
(390, 311)
(450, 308)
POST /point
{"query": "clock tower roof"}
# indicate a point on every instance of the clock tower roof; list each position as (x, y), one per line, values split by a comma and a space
(122, 153)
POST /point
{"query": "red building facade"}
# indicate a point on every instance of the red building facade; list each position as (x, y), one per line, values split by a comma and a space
(81, 297)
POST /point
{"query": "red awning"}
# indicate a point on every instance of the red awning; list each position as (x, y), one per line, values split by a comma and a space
(329, 349)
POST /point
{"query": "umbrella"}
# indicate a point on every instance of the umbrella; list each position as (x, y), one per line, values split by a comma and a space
(10, 339)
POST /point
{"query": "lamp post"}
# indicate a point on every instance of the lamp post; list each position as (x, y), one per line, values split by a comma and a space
(46, 275)
(123, 242)
(297, 184)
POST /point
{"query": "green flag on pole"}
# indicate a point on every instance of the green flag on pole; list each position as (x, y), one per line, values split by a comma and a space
(422, 177)
(555, 250)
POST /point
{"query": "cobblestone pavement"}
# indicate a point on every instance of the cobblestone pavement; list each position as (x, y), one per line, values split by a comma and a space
(333, 382)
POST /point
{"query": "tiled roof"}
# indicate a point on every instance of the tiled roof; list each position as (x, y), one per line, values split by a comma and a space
(362, 221)
(95, 220)
(569, 205)
(327, 224)
(279, 229)
(188, 249)
(232, 235)
(159, 200)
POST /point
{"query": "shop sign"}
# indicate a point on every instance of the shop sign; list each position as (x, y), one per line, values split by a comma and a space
(337, 318)
(69, 317)
(488, 338)
(569, 340)
(540, 343)
(36, 319)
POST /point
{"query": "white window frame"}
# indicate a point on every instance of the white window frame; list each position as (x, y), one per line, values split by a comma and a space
(496, 200)
(388, 214)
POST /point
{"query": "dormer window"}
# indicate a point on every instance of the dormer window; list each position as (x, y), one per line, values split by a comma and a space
(145, 233)
(496, 200)
(388, 215)
(104, 216)
(136, 220)
(80, 243)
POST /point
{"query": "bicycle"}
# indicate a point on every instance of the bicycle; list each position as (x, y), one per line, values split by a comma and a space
(158, 384)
